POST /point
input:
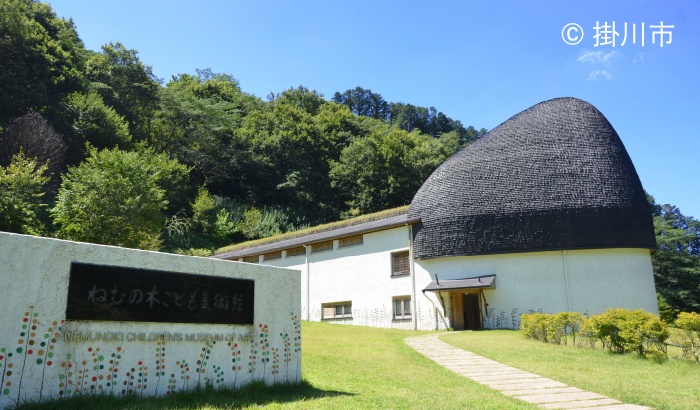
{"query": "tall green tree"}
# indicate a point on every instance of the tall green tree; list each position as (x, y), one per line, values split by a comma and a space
(113, 198)
(385, 169)
(197, 124)
(125, 84)
(677, 261)
(290, 158)
(95, 123)
(364, 102)
(21, 191)
(409, 117)
(42, 60)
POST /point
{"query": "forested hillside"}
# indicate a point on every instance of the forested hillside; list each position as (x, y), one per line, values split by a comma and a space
(94, 147)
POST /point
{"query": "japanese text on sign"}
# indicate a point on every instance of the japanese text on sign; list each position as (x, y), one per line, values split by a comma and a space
(98, 292)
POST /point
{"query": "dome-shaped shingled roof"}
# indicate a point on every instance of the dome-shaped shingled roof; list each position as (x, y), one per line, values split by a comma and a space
(555, 176)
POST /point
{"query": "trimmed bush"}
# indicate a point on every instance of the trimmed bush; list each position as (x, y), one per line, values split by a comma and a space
(553, 328)
(622, 330)
(689, 323)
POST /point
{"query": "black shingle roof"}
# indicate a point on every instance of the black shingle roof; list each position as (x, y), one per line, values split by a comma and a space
(555, 176)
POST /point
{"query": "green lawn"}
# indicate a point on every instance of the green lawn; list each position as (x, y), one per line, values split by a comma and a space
(672, 385)
(348, 367)
(344, 367)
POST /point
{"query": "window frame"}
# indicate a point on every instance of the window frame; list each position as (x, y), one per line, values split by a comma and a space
(347, 238)
(405, 302)
(346, 310)
(271, 256)
(393, 263)
(314, 245)
(250, 259)
(301, 248)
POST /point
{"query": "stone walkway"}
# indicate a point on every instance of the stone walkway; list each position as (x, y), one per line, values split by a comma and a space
(529, 387)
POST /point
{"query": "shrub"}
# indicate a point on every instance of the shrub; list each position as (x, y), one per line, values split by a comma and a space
(689, 323)
(622, 330)
(551, 327)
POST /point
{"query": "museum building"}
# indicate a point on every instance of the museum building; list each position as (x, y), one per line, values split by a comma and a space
(543, 213)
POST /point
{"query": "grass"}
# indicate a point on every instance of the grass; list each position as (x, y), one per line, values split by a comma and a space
(344, 367)
(349, 367)
(628, 378)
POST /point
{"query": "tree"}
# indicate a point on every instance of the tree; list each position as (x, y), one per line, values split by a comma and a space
(364, 102)
(197, 124)
(21, 191)
(96, 123)
(677, 261)
(34, 136)
(125, 84)
(385, 169)
(42, 60)
(429, 121)
(301, 97)
(112, 198)
(289, 159)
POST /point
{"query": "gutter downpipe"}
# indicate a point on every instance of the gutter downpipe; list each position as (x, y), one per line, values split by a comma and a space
(566, 281)
(308, 277)
(414, 319)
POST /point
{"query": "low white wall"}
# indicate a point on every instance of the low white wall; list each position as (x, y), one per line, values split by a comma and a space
(587, 281)
(44, 356)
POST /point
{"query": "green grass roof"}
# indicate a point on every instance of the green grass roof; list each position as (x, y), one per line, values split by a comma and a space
(316, 229)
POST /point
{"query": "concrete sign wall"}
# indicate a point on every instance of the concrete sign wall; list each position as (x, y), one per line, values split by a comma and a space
(139, 322)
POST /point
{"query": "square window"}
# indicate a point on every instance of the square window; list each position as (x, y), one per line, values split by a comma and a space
(402, 307)
(400, 264)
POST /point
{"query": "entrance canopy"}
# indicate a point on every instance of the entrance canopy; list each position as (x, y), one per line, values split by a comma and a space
(459, 284)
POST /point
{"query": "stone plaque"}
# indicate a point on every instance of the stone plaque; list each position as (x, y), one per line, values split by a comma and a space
(113, 293)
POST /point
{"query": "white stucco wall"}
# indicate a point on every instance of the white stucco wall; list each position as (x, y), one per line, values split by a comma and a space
(361, 274)
(38, 361)
(587, 281)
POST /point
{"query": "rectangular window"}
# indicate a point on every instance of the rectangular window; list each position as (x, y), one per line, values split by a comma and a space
(350, 241)
(251, 259)
(400, 264)
(402, 307)
(337, 310)
(323, 246)
(299, 250)
(272, 255)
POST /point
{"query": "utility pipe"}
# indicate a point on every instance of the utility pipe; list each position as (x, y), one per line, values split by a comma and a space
(308, 278)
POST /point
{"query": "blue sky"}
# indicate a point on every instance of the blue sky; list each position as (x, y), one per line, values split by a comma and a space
(478, 62)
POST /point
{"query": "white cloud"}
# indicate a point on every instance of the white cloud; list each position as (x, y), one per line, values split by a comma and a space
(599, 75)
(639, 57)
(596, 57)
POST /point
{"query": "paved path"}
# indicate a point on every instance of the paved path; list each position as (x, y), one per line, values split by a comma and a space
(529, 387)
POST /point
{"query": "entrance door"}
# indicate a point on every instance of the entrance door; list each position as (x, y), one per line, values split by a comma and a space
(466, 314)
(457, 311)
(472, 313)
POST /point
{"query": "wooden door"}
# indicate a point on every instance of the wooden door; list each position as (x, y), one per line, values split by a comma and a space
(457, 311)
(472, 312)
